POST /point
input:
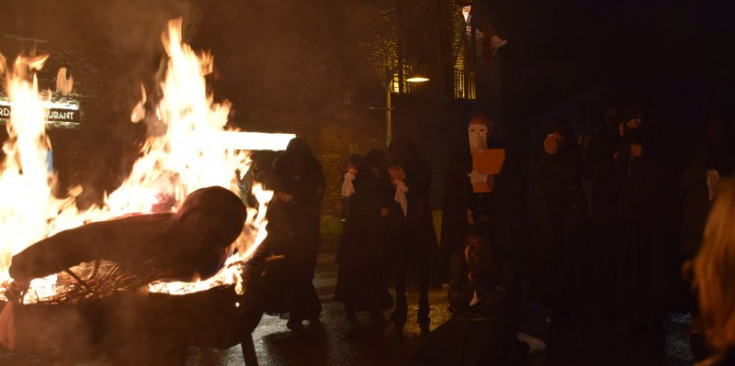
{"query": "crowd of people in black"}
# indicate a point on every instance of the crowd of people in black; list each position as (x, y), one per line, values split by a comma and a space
(389, 232)
(610, 219)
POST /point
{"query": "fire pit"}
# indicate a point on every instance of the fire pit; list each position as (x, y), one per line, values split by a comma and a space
(188, 150)
(140, 329)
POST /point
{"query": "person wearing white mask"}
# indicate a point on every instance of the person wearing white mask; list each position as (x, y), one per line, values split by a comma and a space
(462, 206)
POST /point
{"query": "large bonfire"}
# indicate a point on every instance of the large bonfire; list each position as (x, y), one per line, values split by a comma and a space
(188, 156)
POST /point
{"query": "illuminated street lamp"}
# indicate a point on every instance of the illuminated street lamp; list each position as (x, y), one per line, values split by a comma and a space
(413, 78)
(417, 78)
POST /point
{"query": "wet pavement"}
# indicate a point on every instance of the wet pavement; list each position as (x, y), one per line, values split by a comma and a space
(583, 339)
(337, 342)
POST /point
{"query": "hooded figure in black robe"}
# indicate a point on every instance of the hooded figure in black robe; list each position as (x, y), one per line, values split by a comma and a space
(360, 282)
(648, 219)
(414, 243)
(189, 243)
(559, 218)
(293, 231)
(599, 168)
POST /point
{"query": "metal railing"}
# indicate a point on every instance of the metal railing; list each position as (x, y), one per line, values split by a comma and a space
(465, 84)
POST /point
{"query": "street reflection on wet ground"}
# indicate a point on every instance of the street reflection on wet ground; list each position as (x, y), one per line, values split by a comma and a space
(583, 340)
(587, 339)
(337, 341)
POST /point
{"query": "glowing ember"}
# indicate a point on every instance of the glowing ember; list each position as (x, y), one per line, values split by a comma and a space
(194, 152)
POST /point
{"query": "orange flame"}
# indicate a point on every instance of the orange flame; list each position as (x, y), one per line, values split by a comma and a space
(187, 157)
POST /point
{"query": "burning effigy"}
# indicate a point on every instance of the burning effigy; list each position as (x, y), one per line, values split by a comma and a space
(133, 277)
(183, 245)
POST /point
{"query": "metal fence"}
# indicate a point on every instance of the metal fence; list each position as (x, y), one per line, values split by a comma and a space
(465, 84)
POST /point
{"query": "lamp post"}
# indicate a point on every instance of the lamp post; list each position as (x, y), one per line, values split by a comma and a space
(413, 78)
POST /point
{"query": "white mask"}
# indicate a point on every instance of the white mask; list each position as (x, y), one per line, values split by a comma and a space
(477, 134)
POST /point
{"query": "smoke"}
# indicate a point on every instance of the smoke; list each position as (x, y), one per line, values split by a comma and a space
(286, 66)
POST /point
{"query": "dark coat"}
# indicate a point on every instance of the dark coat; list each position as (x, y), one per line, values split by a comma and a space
(293, 231)
(599, 167)
(418, 227)
(558, 179)
(647, 183)
(360, 282)
(295, 224)
(648, 215)
(559, 220)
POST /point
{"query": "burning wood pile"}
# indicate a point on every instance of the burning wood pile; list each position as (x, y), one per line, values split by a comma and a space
(102, 281)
